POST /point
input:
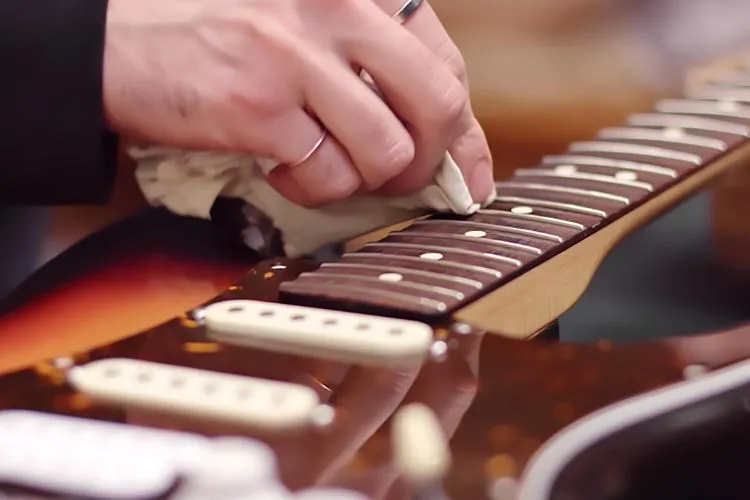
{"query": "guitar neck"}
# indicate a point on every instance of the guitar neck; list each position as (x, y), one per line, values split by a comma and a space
(517, 265)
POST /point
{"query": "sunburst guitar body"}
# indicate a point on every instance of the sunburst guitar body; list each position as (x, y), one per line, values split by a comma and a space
(412, 366)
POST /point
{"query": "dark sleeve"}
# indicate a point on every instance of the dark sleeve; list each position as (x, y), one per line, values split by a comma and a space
(53, 138)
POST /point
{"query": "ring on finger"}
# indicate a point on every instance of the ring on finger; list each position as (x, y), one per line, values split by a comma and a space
(312, 151)
(407, 10)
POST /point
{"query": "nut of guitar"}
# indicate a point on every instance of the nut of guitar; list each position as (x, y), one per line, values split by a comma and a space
(187, 392)
(340, 336)
(81, 458)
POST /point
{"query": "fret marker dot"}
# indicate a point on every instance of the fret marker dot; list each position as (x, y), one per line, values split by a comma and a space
(566, 169)
(626, 175)
(391, 277)
(475, 234)
(522, 210)
(673, 132)
(431, 256)
(728, 106)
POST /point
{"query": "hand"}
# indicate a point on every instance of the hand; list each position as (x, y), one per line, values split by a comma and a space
(268, 76)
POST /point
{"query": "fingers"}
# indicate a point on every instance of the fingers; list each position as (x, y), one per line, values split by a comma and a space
(307, 175)
(469, 146)
(377, 142)
(419, 88)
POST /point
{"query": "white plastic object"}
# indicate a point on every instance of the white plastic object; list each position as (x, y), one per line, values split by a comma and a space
(307, 331)
(420, 447)
(76, 457)
(214, 396)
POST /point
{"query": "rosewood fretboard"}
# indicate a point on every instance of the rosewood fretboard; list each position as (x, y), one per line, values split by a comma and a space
(437, 265)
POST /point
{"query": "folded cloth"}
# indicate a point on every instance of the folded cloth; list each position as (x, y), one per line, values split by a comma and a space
(189, 182)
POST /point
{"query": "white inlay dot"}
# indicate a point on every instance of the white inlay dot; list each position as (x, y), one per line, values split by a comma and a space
(392, 277)
(673, 132)
(566, 169)
(431, 256)
(475, 234)
(728, 106)
(522, 210)
(626, 175)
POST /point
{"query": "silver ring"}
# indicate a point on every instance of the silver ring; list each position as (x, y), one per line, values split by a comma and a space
(406, 11)
(312, 151)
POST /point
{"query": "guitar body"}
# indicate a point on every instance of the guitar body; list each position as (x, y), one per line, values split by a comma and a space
(159, 322)
(499, 404)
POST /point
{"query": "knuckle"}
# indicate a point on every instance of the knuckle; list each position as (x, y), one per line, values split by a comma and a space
(452, 103)
(393, 157)
(453, 59)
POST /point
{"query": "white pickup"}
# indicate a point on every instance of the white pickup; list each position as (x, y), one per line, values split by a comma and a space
(306, 331)
(76, 457)
(213, 396)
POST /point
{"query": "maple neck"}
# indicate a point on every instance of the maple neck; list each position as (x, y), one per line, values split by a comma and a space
(549, 226)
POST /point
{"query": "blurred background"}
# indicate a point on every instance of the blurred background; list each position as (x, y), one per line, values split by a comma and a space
(545, 73)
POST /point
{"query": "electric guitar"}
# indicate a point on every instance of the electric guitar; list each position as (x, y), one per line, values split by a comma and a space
(448, 313)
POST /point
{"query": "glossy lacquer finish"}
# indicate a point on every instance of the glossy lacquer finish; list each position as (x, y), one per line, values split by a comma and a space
(498, 399)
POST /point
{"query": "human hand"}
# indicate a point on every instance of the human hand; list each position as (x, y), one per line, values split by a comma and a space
(251, 75)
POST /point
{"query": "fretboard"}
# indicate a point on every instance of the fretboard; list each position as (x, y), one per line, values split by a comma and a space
(440, 264)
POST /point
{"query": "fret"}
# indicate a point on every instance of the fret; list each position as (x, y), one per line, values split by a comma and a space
(621, 148)
(527, 219)
(440, 252)
(433, 292)
(721, 94)
(472, 236)
(528, 237)
(593, 161)
(511, 255)
(391, 273)
(728, 111)
(481, 274)
(432, 243)
(553, 198)
(654, 180)
(584, 193)
(362, 297)
(671, 136)
(680, 122)
(583, 221)
(567, 207)
(557, 173)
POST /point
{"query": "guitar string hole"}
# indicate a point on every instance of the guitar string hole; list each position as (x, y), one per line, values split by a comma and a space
(362, 326)
(144, 377)
(395, 331)
(111, 372)
(297, 317)
(475, 234)
(329, 322)
(235, 309)
(266, 313)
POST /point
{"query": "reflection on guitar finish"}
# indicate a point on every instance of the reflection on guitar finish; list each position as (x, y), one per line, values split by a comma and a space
(515, 265)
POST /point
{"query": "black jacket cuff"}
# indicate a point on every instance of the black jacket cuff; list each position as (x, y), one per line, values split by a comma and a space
(56, 149)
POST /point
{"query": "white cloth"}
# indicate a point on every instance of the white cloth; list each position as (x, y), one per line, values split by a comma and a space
(188, 182)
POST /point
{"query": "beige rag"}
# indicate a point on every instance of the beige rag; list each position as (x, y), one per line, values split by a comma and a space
(189, 182)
